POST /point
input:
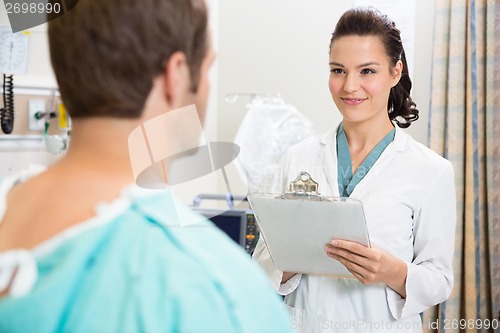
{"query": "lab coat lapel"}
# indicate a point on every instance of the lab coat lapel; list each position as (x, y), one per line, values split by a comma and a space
(329, 163)
(397, 145)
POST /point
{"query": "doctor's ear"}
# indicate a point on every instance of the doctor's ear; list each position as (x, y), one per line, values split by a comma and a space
(397, 70)
(177, 79)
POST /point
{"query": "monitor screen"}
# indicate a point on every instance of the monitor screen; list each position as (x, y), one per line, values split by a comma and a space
(237, 224)
(230, 224)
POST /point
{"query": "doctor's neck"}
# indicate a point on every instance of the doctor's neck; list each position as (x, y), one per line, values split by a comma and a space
(366, 133)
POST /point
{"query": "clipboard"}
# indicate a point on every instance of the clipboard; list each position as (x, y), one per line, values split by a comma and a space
(298, 224)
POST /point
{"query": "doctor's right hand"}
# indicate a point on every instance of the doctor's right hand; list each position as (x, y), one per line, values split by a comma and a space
(370, 265)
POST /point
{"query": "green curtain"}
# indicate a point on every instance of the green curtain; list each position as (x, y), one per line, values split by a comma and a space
(464, 126)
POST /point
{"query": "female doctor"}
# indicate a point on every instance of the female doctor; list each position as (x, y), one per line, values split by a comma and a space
(407, 193)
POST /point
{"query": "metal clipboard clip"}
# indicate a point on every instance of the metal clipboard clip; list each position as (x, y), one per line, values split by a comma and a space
(303, 188)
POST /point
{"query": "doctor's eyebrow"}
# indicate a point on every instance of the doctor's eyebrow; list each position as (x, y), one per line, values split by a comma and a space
(332, 63)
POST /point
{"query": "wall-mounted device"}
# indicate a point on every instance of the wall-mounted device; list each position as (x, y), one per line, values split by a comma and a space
(40, 115)
(13, 60)
(13, 51)
(238, 223)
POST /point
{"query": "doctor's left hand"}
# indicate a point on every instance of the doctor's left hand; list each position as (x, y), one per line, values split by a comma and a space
(369, 265)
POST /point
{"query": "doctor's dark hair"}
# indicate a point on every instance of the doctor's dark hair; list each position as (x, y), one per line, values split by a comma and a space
(370, 22)
(106, 53)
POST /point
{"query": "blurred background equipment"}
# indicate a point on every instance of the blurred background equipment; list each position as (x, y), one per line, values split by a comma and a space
(269, 128)
(238, 222)
(13, 60)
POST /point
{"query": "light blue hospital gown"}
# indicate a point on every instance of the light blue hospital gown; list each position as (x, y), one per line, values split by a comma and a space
(142, 272)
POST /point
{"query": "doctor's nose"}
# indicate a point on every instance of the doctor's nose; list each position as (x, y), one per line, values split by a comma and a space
(351, 84)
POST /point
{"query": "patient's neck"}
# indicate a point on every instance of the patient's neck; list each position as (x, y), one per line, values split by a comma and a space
(100, 146)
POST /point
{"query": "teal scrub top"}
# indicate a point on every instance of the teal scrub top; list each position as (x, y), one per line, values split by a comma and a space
(142, 272)
(346, 180)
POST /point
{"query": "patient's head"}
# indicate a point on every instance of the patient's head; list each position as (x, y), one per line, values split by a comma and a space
(106, 53)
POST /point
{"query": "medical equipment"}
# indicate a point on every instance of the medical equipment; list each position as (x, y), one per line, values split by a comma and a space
(13, 60)
(55, 144)
(7, 112)
(13, 51)
(238, 223)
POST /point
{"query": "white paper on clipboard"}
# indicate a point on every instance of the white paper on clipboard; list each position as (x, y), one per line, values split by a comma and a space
(297, 230)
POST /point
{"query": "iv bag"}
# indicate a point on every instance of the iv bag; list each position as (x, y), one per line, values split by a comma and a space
(265, 134)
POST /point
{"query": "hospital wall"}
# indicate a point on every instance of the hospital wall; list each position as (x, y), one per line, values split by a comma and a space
(278, 46)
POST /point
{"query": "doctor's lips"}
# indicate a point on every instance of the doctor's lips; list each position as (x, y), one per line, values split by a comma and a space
(353, 101)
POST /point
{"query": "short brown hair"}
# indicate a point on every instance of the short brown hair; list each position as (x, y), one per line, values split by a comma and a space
(106, 53)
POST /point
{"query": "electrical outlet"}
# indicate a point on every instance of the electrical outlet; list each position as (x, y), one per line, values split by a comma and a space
(34, 106)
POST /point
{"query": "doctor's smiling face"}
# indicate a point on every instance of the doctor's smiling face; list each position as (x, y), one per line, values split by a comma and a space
(361, 78)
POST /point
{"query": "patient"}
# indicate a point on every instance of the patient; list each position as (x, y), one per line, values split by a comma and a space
(82, 249)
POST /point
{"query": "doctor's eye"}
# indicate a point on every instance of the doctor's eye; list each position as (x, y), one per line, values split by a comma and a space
(365, 71)
(337, 71)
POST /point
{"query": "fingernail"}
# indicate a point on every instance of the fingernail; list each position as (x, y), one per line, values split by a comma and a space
(334, 242)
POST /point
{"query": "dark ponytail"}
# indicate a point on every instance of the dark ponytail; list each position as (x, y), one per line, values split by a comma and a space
(370, 22)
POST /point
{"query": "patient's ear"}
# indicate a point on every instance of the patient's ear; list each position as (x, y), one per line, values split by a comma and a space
(177, 79)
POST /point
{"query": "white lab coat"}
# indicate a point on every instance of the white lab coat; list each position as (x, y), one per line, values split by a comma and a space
(409, 202)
